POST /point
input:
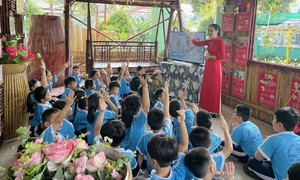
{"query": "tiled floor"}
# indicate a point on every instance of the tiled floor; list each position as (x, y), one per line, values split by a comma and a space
(9, 148)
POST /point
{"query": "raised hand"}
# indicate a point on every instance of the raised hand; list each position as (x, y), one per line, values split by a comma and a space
(183, 95)
(105, 96)
(143, 81)
(70, 99)
(43, 65)
(223, 123)
(195, 108)
(166, 88)
(181, 116)
(102, 104)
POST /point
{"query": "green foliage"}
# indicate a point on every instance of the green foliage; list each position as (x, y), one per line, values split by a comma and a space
(204, 23)
(277, 60)
(81, 8)
(52, 3)
(274, 6)
(141, 24)
(204, 7)
(31, 9)
(120, 24)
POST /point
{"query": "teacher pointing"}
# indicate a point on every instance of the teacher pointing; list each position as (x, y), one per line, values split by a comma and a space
(210, 95)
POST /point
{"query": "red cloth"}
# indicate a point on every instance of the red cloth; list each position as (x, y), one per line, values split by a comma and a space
(210, 96)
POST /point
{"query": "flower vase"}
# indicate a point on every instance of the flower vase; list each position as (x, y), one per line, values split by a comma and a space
(16, 89)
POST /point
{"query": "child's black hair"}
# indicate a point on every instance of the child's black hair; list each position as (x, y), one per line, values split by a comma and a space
(200, 137)
(288, 117)
(114, 78)
(163, 149)
(40, 93)
(31, 83)
(113, 84)
(155, 119)
(47, 114)
(294, 171)
(80, 101)
(59, 104)
(243, 111)
(114, 130)
(94, 71)
(93, 106)
(139, 68)
(175, 105)
(158, 93)
(204, 119)
(119, 69)
(135, 83)
(132, 104)
(198, 161)
(89, 83)
(75, 67)
(68, 80)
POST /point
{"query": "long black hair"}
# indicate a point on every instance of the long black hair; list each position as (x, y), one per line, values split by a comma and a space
(217, 28)
(80, 101)
(93, 106)
(132, 104)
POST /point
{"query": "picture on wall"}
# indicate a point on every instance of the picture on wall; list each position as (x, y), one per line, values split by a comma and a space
(238, 84)
(295, 94)
(241, 50)
(226, 80)
(267, 86)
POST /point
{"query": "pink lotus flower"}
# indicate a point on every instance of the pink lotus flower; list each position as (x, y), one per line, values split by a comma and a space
(80, 165)
(116, 175)
(96, 163)
(71, 168)
(36, 158)
(18, 163)
(22, 48)
(61, 152)
(30, 55)
(38, 141)
(12, 52)
(18, 174)
(84, 177)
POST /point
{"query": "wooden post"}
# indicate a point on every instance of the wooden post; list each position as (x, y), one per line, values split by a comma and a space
(179, 15)
(168, 35)
(89, 50)
(288, 43)
(67, 34)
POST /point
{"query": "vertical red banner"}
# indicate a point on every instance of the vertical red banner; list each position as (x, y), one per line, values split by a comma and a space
(295, 94)
(241, 51)
(228, 47)
(226, 80)
(243, 18)
(238, 84)
(267, 87)
(227, 22)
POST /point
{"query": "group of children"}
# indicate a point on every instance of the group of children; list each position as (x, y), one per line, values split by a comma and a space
(171, 140)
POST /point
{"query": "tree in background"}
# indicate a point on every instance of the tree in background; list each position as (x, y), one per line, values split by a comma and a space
(120, 24)
(32, 9)
(52, 3)
(141, 24)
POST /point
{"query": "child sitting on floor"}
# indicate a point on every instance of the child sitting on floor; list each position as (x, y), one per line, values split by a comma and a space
(114, 88)
(42, 96)
(33, 84)
(80, 112)
(76, 74)
(58, 128)
(160, 123)
(159, 99)
(114, 130)
(201, 164)
(70, 86)
(90, 87)
(165, 156)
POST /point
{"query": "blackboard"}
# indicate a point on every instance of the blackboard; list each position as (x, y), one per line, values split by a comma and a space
(182, 50)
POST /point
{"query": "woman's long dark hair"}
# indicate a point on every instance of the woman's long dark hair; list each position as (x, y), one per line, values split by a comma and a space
(217, 28)
(93, 106)
(132, 104)
(80, 101)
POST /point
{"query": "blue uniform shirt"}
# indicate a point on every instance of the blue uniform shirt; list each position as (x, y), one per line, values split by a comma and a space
(54, 80)
(219, 159)
(178, 170)
(66, 132)
(159, 105)
(90, 127)
(215, 140)
(125, 86)
(39, 109)
(115, 100)
(66, 93)
(78, 79)
(80, 119)
(135, 131)
(248, 136)
(189, 122)
(129, 154)
(89, 92)
(283, 149)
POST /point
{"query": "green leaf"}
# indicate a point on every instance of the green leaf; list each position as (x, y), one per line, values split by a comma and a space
(18, 60)
(40, 175)
(59, 174)
(38, 55)
(22, 53)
